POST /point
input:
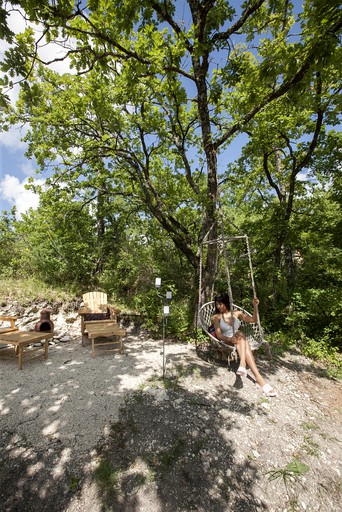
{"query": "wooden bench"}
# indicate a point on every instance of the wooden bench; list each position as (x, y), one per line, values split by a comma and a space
(22, 339)
(104, 329)
(8, 328)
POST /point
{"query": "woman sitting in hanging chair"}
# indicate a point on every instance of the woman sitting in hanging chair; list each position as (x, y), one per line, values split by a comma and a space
(226, 324)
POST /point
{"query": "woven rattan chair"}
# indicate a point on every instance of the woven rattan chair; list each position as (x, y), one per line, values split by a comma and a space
(252, 331)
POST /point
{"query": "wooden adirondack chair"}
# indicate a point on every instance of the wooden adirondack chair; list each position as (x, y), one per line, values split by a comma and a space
(8, 328)
(97, 309)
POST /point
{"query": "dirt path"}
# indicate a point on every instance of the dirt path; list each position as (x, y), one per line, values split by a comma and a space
(83, 434)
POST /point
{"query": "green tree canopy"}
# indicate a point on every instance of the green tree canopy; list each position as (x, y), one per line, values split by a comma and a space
(160, 91)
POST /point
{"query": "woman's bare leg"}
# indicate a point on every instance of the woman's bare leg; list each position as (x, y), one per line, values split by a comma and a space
(241, 346)
(251, 363)
(246, 356)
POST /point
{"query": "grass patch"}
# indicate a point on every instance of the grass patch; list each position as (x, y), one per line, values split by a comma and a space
(310, 425)
(166, 459)
(107, 477)
(27, 291)
(158, 382)
(137, 397)
(74, 483)
(310, 446)
(320, 350)
(169, 457)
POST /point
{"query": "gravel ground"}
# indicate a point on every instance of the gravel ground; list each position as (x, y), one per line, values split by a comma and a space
(109, 434)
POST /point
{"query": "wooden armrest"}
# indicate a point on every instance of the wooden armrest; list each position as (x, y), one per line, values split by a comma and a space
(114, 309)
(100, 322)
(83, 311)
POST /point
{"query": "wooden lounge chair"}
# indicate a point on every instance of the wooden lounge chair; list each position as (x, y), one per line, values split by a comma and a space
(96, 309)
(8, 328)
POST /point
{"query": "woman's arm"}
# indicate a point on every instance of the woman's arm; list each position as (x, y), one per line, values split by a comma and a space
(248, 318)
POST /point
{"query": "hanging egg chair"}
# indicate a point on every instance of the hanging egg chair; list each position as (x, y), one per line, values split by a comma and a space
(252, 330)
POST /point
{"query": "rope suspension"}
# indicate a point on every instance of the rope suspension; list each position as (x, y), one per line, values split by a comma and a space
(253, 331)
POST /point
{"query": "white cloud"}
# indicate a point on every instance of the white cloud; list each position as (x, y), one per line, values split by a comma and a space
(51, 51)
(302, 176)
(11, 138)
(16, 21)
(14, 191)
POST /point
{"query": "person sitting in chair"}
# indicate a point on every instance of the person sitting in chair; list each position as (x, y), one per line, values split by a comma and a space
(226, 324)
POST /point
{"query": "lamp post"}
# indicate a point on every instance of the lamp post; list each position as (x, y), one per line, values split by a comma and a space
(166, 312)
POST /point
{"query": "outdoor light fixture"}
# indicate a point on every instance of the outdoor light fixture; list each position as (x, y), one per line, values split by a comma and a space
(166, 312)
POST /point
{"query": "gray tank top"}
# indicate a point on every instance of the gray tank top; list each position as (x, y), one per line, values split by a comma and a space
(227, 330)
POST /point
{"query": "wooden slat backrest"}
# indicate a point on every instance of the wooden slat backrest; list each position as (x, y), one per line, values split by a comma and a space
(94, 300)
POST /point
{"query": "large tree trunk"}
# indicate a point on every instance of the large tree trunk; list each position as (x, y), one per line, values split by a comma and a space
(200, 66)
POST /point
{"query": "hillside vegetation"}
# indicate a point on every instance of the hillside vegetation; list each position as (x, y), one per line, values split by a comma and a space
(177, 132)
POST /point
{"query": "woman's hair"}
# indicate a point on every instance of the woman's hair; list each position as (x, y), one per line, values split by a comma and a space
(224, 298)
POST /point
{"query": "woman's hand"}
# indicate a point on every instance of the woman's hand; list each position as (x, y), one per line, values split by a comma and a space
(255, 301)
(237, 335)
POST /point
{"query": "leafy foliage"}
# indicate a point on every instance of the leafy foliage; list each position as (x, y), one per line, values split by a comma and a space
(135, 140)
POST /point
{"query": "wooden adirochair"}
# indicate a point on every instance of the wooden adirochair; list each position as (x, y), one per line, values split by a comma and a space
(96, 309)
(8, 328)
(99, 319)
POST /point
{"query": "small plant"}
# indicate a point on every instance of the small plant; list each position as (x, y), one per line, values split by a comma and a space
(74, 483)
(184, 371)
(290, 473)
(310, 425)
(294, 469)
(106, 476)
(150, 476)
(137, 396)
(139, 480)
(198, 446)
(168, 458)
(170, 383)
(310, 446)
(159, 382)
(200, 337)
